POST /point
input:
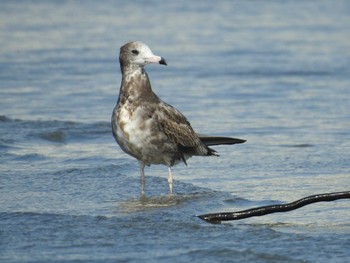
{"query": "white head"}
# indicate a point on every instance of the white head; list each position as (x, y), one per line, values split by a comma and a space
(138, 54)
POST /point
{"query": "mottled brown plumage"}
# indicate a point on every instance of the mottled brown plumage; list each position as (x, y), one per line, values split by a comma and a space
(146, 127)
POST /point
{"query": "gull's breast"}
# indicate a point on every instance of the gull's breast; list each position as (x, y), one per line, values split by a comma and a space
(139, 134)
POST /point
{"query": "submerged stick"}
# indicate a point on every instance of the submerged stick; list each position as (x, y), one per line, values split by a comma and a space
(269, 209)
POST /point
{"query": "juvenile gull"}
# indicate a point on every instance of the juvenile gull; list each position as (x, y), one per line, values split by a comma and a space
(148, 128)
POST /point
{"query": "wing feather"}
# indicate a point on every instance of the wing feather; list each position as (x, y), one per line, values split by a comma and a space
(179, 130)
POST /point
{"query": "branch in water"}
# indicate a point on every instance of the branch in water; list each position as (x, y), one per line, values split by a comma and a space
(269, 209)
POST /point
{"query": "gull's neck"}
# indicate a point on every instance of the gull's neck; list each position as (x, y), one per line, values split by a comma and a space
(135, 84)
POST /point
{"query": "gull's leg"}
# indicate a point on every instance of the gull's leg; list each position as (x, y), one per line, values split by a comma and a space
(170, 181)
(142, 172)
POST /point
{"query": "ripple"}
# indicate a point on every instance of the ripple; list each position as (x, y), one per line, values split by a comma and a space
(149, 203)
(54, 136)
(302, 145)
(30, 157)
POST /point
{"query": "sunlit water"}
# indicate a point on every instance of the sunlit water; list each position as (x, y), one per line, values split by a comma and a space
(275, 73)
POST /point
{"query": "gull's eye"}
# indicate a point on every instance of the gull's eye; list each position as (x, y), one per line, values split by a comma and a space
(135, 52)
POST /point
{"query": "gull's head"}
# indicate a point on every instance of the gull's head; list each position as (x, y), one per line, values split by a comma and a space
(138, 54)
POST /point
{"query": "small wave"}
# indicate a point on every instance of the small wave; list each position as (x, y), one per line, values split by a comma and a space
(143, 203)
(50, 130)
(30, 157)
(302, 145)
(146, 203)
(3, 118)
(150, 203)
(54, 136)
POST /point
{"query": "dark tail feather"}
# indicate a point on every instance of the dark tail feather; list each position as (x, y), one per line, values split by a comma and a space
(214, 140)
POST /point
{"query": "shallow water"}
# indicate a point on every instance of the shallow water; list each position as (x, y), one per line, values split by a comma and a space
(274, 73)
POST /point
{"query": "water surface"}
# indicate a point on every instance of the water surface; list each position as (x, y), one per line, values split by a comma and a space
(275, 73)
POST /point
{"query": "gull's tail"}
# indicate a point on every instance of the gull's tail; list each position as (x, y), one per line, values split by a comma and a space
(216, 140)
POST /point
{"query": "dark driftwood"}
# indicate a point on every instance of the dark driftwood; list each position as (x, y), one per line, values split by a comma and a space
(269, 209)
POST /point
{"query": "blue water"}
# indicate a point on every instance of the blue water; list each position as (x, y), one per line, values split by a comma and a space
(276, 73)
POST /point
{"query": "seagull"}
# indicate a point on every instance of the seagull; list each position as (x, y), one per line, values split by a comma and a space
(149, 129)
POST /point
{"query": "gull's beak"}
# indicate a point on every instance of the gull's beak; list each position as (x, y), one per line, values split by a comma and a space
(162, 61)
(156, 59)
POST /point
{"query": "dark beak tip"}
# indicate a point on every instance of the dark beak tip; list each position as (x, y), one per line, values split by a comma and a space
(163, 62)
